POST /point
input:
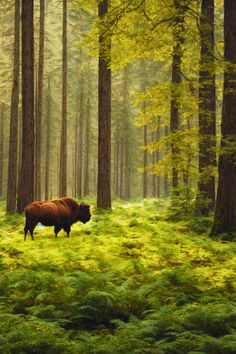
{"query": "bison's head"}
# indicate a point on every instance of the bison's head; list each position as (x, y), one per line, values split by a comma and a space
(84, 213)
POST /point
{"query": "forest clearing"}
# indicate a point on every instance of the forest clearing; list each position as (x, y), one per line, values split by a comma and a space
(128, 281)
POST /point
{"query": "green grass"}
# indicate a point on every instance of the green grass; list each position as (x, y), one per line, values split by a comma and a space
(129, 281)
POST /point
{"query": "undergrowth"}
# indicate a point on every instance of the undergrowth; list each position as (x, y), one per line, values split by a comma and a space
(129, 281)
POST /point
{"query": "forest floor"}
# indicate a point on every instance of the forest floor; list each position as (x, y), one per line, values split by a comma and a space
(128, 281)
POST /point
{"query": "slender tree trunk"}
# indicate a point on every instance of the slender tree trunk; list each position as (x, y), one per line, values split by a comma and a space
(207, 105)
(36, 130)
(26, 182)
(176, 80)
(145, 162)
(1, 148)
(154, 177)
(126, 136)
(80, 140)
(117, 153)
(48, 139)
(39, 104)
(225, 210)
(87, 149)
(63, 149)
(12, 155)
(165, 179)
(158, 134)
(121, 167)
(19, 149)
(104, 118)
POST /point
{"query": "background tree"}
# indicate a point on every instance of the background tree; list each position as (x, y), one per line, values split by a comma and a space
(39, 104)
(225, 210)
(207, 107)
(63, 147)
(26, 182)
(104, 116)
(13, 141)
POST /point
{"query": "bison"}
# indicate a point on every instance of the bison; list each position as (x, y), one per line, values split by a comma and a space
(60, 213)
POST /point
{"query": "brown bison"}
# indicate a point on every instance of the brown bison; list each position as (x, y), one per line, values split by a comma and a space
(60, 213)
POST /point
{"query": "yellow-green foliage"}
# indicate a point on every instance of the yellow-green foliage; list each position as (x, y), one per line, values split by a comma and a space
(126, 282)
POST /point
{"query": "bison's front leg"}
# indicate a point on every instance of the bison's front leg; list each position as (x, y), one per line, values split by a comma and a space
(57, 228)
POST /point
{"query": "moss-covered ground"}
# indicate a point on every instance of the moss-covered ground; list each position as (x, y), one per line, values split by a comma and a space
(128, 281)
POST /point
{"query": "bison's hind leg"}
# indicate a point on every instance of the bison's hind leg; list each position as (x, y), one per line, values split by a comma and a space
(31, 226)
(26, 229)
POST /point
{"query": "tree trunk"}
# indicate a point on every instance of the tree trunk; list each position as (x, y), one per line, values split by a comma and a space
(1, 148)
(176, 80)
(26, 182)
(104, 118)
(117, 154)
(63, 148)
(39, 104)
(145, 162)
(126, 136)
(165, 179)
(225, 210)
(207, 104)
(87, 149)
(12, 155)
(154, 177)
(80, 140)
(48, 139)
(121, 167)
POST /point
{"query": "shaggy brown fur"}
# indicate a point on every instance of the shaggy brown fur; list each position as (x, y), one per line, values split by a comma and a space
(60, 213)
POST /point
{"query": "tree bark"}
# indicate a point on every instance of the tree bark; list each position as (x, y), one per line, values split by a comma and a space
(26, 182)
(12, 155)
(225, 210)
(63, 148)
(1, 148)
(126, 136)
(207, 104)
(104, 117)
(165, 179)
(48, 140)
(145, 162)
(176, 80)
(39, 105)
(87, 148)
(80, 140)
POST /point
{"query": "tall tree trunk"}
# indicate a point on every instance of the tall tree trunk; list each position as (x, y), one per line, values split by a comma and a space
(176, 80)
(104, 118)
(76, 153)
(117, 154)
(48, 139)
(63, 148)
(165, 178)
(154, 177)
(12, 155)
(126, 136)
(87, 148)
(225, 210)
(26, 182)
(39, 105)
(207, 104)
(80, 140)
(121, 167)
(1, 148)
(145, 162)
